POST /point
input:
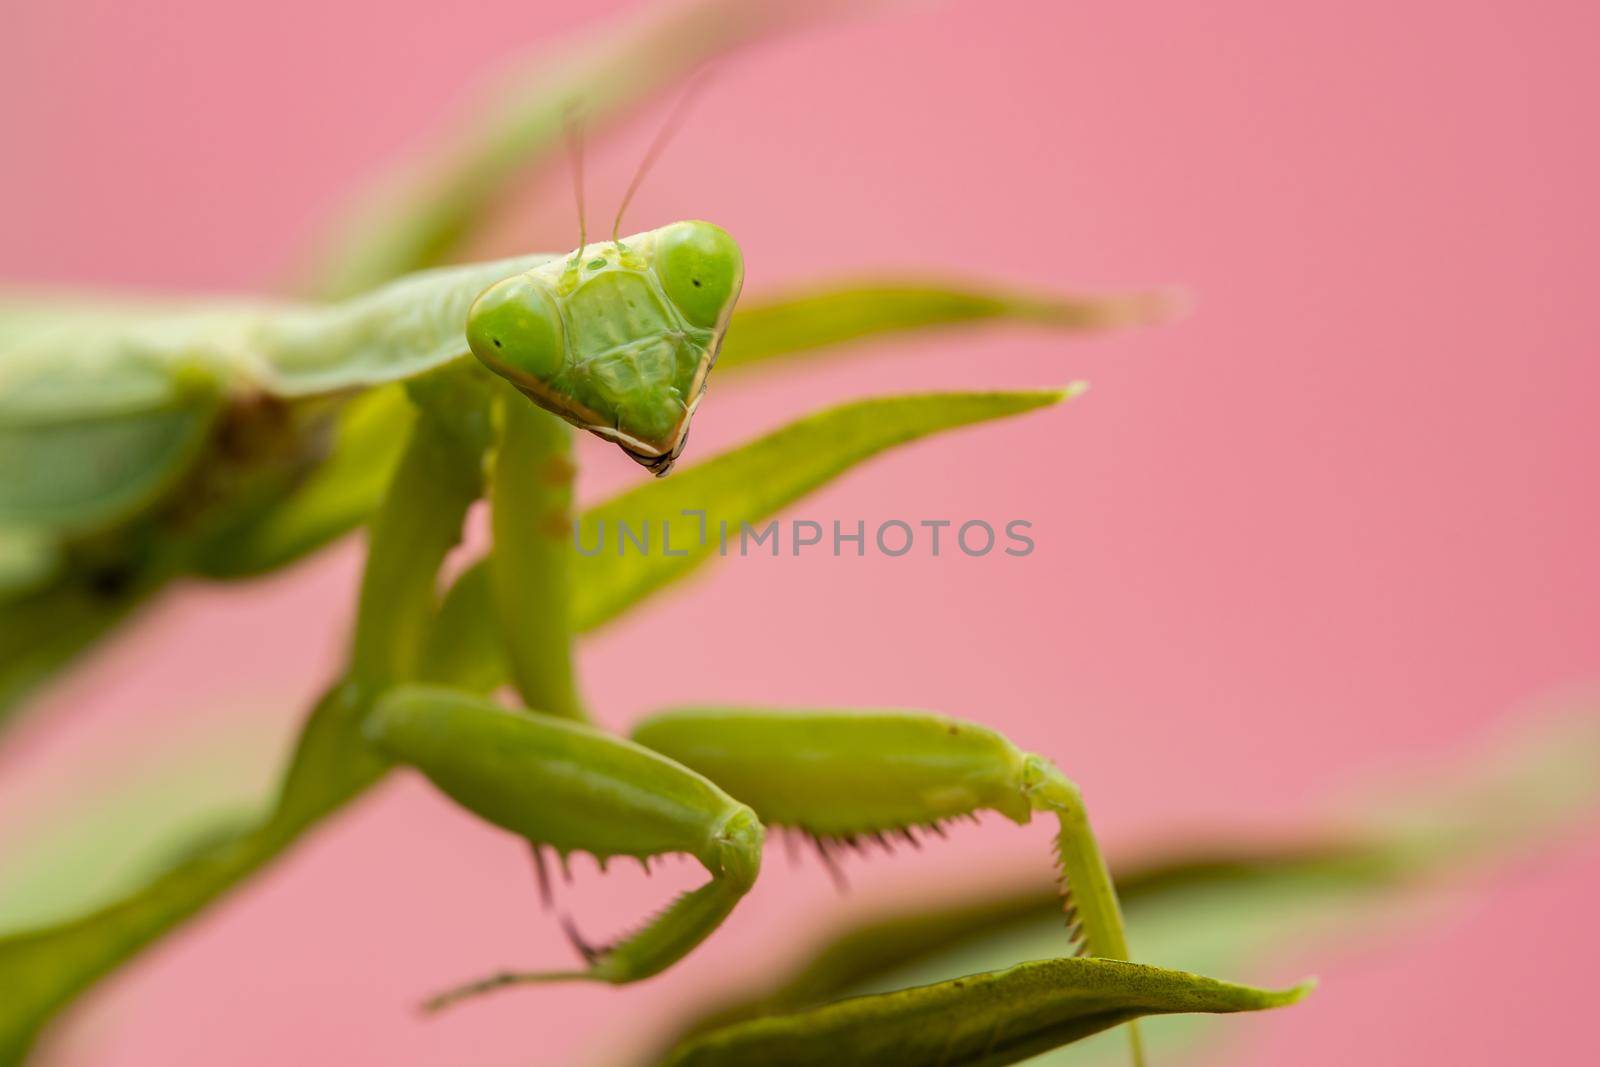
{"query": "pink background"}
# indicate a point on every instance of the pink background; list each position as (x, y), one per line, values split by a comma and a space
(1340, 521)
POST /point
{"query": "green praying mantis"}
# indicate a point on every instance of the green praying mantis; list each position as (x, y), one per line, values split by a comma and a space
(618, 340)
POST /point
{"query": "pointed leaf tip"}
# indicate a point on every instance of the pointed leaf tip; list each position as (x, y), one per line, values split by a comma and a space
(1296, 993)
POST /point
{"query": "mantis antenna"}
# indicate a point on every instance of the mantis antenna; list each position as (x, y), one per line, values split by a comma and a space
(574, 130)
(670, 127)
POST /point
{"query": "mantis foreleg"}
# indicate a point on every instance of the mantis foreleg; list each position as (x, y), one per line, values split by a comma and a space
(571, 787)
(842, 775)
(531, 497)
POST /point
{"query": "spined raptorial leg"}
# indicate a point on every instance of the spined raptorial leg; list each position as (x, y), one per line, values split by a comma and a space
(845, 778)
(568, 787)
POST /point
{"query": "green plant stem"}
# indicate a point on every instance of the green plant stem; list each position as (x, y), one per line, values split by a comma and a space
(530, 568)
(418, 523)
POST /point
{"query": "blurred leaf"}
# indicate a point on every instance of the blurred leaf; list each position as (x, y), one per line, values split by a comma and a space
(45, 630)
(987, 1019)
(754, 481)
(42, 970)
(743, 485)
(843, 312)
(1222, 909)
(1537, 779)
(81, 840)
(422, 218)
(28, 560)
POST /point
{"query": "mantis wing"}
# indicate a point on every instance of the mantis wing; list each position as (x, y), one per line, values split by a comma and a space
(103, 412)
(99, 411)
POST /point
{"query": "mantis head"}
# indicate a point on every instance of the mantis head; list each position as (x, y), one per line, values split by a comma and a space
(618, 339)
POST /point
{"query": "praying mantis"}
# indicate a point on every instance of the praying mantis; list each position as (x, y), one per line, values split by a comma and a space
(618, 340)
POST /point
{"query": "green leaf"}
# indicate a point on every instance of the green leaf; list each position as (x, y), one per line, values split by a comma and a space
(743, 485)
(805, 322)
(988, 1019)
(754, 481)
(423, 217)
(91, 838)
(43, 970)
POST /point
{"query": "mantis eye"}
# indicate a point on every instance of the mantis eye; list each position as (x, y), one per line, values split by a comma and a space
(515, 328)
(701, 269)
